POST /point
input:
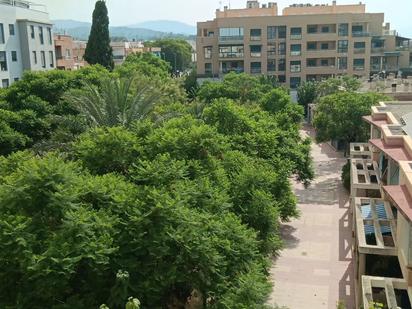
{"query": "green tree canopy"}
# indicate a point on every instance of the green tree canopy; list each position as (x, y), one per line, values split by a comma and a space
(177, 52)
(98, 49)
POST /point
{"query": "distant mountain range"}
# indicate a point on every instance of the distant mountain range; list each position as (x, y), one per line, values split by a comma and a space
(149, 30)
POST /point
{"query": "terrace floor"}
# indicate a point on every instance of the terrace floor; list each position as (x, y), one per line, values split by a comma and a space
(315, 268)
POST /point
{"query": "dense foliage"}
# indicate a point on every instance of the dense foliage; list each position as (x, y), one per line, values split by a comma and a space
(169, 201)
(98, 49)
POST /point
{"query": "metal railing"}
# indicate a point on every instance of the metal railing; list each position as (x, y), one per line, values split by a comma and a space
(360, 34)
(231, 55)
(231, 38)
(359, 50)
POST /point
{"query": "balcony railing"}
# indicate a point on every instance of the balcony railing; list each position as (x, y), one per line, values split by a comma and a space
(359, 51)
(343, 50)
(231, 38)
(377, 50)
(359, 68)
(236, 70)
(404, 48)
(255, 54)
(295, 53)
(256, 70)
(295, 36)
(231, 55)
(360, 34)
(255, 38)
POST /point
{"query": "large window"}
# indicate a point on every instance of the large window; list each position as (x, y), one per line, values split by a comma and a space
(255, 34)
(255, 50)
(311, 63)
(272, 32)
(282, 32)
(5, 83)
(2, 39)
(295, 49)
(271, 65)
(43, 59)
(282, 65)
(359, 45)
(295, 66)
(231, 51)
(34, 57)
(282, 48)
(271, 49)
(324, 46)
(325, 29)
(41, 36)
(342, 63)
(208, 52)
(32, 32)
(312, 28)
(311, 46)
(357, 29)
(296, 33)
(3, 61)
(14, 56)
(208, 68)
(359, 64)
(227, 34)
(343, 29)
(11, 29)
(342, 46)
(294, 82)
(255, 67)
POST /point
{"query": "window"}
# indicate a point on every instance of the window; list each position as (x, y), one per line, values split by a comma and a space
(49, 32)
(208, 52)
(231, 51)
(16, 79)
(255, 50)
(68, 53)
(282, 48)
(227, 34)
(3, 61)
(282, 32)
(324, 62)
(357, 29)
(272, 32)
(296, 33)
(312, 29)
(311, 46)
(359, 64)
(208, 68)
(255, 34)
(271, 65)
(255, 67)
(295, 49)
(14, 56)
(2, 39)
(51, 58)
(34, 57)
(271, 49)
(311, 63)
(294, 82)
(343, 29)
(325, 29)
(342, 46)
(11, 29)
(324, 46)
(359, 45)
(282, 65)
(41, 36)
(342, 63)
(5, 83)
(32, 32)
(295, 66)
(43, 59)
(282, 78)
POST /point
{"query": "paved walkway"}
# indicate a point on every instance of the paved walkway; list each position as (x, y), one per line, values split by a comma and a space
(315, 269)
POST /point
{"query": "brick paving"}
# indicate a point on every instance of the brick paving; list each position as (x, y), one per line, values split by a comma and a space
(315, 269)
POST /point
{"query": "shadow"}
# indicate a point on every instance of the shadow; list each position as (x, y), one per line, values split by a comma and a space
(289, 240)
(347, 288)
(319, 193)
(345, 237)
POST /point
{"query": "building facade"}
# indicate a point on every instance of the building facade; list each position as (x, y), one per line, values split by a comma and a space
(381, 207)
(306, 42)
(122, 49)
(26, 40)
(69, 53)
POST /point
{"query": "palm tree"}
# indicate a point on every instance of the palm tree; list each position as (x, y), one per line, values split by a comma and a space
(117, 101)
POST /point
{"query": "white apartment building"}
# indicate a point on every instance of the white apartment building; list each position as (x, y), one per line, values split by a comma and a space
(26, 40)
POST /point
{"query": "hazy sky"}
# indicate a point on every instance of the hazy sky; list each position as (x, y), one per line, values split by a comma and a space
(124, 12)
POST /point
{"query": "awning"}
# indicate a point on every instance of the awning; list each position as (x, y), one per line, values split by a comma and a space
(400, 197)
(397, 153)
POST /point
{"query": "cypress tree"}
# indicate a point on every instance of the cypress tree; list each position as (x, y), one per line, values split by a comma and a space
(98, 48)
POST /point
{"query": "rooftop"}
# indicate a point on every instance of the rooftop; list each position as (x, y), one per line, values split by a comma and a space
(24, 4)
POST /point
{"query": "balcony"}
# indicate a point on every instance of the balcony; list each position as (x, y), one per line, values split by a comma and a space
(359, 34)
(359, 68)
(255, 70)
(296, 36)
(295, 53)
(359, 51)
(236, 38)
(365, 180)
(231, 55)
(377, 50)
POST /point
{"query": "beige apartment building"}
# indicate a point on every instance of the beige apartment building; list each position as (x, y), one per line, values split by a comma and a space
(306, 42)
(69, 53)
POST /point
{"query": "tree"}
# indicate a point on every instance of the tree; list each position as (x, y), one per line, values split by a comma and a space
(339, 117)
(307, 94)
(98, 50)
(334, 85)
(144, 63)
(118, 101)
(177, 52)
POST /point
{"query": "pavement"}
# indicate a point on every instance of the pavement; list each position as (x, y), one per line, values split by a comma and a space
(315, 269)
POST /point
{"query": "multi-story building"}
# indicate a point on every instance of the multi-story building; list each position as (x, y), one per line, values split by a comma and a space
(306, 42)
(69, 53)
(26, 40)
(122, 49)
(381, 207)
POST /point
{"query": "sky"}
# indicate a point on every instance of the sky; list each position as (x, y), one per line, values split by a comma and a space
(126, 12)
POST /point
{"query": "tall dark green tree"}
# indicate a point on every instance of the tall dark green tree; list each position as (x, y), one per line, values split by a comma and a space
(98, 50)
